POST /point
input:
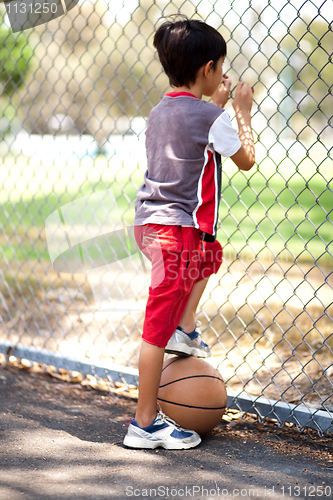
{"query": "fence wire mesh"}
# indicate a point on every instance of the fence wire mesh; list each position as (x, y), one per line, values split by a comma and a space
(75, 95)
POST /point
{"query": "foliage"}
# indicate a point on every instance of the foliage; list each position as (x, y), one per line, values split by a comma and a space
(15, 63)
(308, 48)
(15, 59)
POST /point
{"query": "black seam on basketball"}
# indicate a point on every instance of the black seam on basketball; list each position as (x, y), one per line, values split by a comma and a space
(173, 361)
(189, 406)
(192, 376)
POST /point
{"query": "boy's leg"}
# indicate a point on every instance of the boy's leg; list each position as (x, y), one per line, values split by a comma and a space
(186, 340)
(187, 321)
(150, 369)
(150, 428)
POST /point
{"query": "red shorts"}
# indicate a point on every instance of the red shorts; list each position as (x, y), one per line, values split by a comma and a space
(179, 259)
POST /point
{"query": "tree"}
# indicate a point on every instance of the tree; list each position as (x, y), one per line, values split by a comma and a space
(15, 62)
(308, 48)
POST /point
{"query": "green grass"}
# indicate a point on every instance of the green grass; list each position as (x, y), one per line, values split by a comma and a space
(266, 208)
(286, 210)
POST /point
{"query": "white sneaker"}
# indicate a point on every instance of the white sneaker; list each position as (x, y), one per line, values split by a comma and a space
(162, 432)
(187, 344)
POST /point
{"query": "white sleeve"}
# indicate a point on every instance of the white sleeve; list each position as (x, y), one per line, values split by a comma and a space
(224, 136)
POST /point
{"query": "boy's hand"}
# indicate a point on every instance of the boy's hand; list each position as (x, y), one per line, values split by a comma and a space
(221, 94)
(243, 98)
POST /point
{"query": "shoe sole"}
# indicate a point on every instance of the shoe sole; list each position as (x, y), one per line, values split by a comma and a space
(133, 442)
(187, 351)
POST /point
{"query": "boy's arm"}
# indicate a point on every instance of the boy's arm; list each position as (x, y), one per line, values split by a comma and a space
(242, 104)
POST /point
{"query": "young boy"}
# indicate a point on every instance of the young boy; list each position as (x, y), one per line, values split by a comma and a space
(177, 208)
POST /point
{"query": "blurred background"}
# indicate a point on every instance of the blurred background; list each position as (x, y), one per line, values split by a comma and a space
(75, 94)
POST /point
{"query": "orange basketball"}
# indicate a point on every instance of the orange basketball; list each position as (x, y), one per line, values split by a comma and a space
(192, 393)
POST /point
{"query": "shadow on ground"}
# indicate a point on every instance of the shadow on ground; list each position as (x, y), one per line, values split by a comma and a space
(64, 441)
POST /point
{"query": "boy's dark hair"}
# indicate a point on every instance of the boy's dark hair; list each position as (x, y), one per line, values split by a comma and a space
(184, 46)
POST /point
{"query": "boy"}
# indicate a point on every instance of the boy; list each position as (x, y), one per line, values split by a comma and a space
(177, 208)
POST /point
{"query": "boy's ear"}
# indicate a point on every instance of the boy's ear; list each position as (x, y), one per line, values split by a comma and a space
(208, 68)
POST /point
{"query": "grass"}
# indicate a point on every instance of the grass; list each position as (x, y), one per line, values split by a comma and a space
(279, 212)
(285, 209)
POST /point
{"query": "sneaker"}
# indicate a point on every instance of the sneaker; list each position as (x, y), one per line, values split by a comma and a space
(162, 432)
(187, 344)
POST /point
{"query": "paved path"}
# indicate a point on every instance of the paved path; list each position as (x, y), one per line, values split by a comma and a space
(64, 441)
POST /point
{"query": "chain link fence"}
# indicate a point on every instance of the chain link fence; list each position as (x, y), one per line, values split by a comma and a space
(75, 95)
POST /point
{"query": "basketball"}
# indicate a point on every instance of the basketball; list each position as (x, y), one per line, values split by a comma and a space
(192, 393)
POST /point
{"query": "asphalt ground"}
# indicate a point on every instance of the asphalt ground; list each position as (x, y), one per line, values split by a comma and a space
(63, 440)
